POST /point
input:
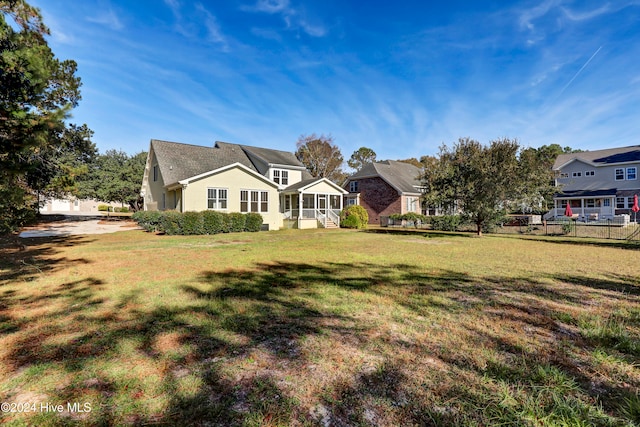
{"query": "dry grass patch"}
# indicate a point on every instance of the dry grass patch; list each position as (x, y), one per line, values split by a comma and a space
(320, 328)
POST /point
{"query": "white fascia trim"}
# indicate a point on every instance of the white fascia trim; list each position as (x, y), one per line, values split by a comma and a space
(587, 162)
(228, 167)
(278, 166)
(336, 186)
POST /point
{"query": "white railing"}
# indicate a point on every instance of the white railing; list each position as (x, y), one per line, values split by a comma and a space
(334, 215)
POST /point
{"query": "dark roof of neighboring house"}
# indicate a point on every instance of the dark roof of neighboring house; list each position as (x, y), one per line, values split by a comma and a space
(178, 161)
(402, 176)
(603, 157)
(587, 193)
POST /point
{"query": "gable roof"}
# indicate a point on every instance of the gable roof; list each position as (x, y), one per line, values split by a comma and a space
(601, 157)
(306, 183)
(404, 177)
(179, 161)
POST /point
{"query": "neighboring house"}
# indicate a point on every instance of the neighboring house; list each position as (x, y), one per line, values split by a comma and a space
(239, 178)
(73, 206)
(385, 188)
(597, 184)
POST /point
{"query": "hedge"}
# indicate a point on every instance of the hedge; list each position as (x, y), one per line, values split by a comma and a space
(410, 217)
(197, 223)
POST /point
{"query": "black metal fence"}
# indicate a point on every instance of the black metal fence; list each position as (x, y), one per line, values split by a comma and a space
(603, 229)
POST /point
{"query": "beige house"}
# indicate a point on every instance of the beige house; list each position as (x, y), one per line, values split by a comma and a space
(239, 178)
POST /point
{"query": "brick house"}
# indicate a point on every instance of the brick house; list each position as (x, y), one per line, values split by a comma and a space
(385, 188)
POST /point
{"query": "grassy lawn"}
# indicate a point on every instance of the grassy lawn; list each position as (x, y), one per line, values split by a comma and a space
(319, 327)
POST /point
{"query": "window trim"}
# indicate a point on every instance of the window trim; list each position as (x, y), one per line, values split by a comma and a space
(254, 198)
(353, 186)
(635, 173)
(280, 176)
(217, 200)
(621, 175)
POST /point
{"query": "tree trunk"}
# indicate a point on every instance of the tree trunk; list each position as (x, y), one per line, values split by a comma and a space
(479, 229)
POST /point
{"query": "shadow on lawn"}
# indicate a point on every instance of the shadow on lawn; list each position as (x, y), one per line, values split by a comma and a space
(23, 259)
(273, 309)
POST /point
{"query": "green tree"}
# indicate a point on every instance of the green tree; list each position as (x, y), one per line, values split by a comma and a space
(361, 157)
(321, 156)
(115, 177)
(37, 92)
(480, 181)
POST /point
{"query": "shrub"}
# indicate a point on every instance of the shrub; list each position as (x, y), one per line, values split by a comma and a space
(192, 223)
(171, 222)
(253, 222)
(124, 209)
(410, 218)
(354, 216)
(103, 208)
(237, 222)
(117, 209)
(148, 220)
(213, 222)
(446, 222)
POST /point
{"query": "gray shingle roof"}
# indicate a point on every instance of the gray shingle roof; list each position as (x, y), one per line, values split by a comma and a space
(402, 176)
(603, 157)
(179, 161)
(274, 157)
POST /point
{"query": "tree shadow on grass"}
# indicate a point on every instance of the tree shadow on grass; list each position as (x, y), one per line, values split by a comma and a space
(231, 352)
(28, 258)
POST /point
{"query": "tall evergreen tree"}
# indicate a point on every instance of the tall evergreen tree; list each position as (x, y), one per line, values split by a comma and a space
(37, 92)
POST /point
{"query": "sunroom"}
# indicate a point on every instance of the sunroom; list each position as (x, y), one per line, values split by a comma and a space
(311, 204)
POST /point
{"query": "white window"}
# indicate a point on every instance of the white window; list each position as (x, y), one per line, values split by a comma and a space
(254, 201)
(631, 173)
(564, 175)
(606, 202)
(620, 202)
(589, 173)
(577, 174)
(590, 203)
(281, 176)
(563, 203)
(619, 174)
(216, 198)
(351, 201)
(353, 186)
(412, 204)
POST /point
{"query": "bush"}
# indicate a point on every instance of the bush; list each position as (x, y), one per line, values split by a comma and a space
(354, 216)
(213, 222)
(117, 209)
(253, 222)
(446, 222)
(237, 222)
(171, 222)
(103, 208)
(192, 223)
(124, 209)
(148, 220)
(410, 218)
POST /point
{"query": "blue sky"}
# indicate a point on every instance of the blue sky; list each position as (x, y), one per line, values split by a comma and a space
(399, 77)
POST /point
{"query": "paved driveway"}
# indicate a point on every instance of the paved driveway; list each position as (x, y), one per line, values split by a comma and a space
(75, 227)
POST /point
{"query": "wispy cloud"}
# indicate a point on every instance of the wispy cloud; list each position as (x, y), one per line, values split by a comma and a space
(214, 33)
(293, 18)
(107, 18)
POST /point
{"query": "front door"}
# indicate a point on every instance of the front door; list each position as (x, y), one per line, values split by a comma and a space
(322, 203)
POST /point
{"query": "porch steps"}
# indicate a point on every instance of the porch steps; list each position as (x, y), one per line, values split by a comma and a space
(331, 224)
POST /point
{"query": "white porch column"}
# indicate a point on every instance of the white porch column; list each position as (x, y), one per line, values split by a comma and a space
(299, 209)
(582, 207)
